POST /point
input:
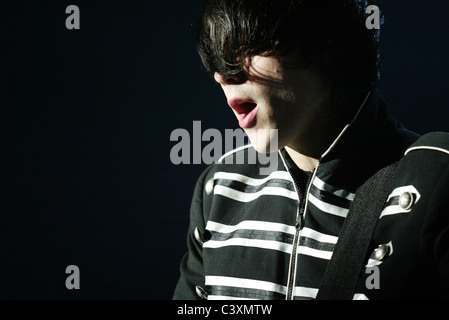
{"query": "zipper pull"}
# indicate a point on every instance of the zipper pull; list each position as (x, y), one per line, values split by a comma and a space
(299, 221)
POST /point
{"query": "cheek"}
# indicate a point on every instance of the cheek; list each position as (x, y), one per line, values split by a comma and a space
(283, 106)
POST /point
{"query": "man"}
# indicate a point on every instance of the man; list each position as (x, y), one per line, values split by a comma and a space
(309, 69)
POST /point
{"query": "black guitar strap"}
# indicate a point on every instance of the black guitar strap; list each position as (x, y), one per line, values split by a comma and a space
(350, 254)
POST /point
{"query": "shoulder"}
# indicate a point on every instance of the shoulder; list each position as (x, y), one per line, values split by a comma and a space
(238, 155)
(239, 160)
(421, 179)
(247, 161)
(426, 157)
(424, 170)
(242, 164)
(431, 142)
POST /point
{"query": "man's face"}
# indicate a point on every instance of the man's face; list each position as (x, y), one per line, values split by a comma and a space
(293, 101)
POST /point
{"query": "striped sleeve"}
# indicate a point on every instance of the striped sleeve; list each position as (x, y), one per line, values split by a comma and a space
(191, 270)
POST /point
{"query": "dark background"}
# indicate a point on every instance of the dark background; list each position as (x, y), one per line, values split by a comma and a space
(86, 117)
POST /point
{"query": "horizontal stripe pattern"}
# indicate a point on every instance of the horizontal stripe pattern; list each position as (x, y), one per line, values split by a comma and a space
(330, 199)
(327, 207)
(284, 175)
(305, 293)
(257, 234)
(321, 185)
(231, 288)
(246, 189)
(315, 244)
(242, 188)
(269, 235)
(220, 287)
(247, 197)
(250, 224)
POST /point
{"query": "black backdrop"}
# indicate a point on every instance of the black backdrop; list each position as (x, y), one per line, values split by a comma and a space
(86, 117)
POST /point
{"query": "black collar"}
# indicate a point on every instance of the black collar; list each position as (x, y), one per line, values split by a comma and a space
(372, 140)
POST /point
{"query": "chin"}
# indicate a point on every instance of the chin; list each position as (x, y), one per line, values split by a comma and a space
(264, 140)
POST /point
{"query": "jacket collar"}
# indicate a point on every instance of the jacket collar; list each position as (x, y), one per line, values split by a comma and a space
(372, 140)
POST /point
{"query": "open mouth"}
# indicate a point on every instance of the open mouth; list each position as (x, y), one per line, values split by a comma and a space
(247, 110)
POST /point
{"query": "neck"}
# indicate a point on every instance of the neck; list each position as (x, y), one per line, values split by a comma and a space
(305, 163)
(307, 158)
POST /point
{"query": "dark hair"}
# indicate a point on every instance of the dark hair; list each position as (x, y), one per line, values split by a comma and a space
(329, 33)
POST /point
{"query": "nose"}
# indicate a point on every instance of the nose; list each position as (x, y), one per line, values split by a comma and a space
(230, 79)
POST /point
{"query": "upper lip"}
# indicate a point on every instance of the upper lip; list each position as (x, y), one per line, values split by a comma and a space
(242, 106)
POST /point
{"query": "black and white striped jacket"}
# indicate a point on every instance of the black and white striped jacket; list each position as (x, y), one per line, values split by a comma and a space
(251, 236)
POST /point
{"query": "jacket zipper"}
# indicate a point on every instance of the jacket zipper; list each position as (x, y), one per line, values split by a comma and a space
(302, 207)
(300, 216)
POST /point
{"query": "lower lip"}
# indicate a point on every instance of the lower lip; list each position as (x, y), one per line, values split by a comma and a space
(247, 120)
